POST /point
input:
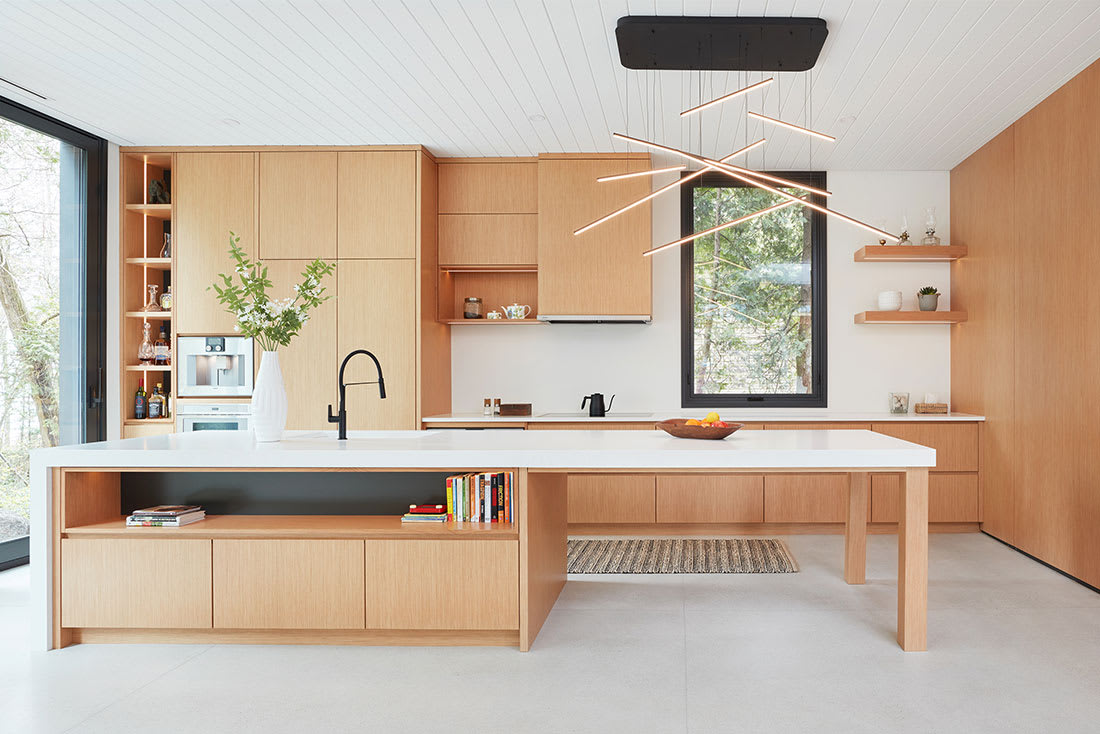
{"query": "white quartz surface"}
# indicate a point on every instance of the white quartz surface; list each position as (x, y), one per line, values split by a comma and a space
(730, 415)
(445, 449)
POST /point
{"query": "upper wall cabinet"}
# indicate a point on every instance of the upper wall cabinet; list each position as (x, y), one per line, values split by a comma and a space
(215, 195)
(378, 200)
(488, 212)
(298, 205)
(601, 272)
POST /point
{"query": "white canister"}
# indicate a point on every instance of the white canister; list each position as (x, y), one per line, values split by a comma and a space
(889, 301)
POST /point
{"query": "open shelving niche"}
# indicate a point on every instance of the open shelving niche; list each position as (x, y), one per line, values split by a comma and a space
(910, 253)
(142, 236)
(495, 285)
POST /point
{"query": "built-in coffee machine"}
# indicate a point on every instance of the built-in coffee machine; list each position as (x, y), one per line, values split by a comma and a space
(214, 365)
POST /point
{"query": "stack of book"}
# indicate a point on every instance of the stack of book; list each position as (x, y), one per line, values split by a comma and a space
(165, 516)
(481, 497)
(425, 513)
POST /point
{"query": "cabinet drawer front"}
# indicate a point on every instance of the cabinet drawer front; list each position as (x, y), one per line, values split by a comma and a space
(611, 498)
(505, 187)
(806, 497)
(113, 582)
(816, 426)
(956, 444)
(951, 497)
(688, 498)
(590, 426)
(288, 584)
(488, 239)
(442, 584)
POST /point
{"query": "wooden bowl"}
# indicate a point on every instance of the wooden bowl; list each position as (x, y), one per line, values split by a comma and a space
(677, 427)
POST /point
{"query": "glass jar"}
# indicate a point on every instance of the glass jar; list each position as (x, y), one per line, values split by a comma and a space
(471, 308)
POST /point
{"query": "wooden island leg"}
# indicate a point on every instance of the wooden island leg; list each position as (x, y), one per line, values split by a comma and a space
(855, 528)
(913, 561)
(543, 540)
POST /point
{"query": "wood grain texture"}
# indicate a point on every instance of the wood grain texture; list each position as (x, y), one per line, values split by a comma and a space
(817, 426)
(405, 638)
(297, 206)
(613, 426)
(215, 194)
(708, 498)
(494, 289)
(805, 497)
(612, 498)
(500, 186)
(753, 528)
(602, 271)
(855, 528)
(287, 584)
(378, 204)
(378, 311)
(913, 562)
(954, 316)
(60, 637)
(434, 357)
(310, 363)
(439, 584)
(956, 444)
(543, 540)
(952, 497)
(135, 583)
(488, 239)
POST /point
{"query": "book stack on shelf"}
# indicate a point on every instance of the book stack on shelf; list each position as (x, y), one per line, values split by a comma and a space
(165, 516)
(425, 513)
(484, 497)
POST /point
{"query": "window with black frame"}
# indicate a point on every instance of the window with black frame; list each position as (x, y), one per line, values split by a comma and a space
(52, 300)
(753, 296)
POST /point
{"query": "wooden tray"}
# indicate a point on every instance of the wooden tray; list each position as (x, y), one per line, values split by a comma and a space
(677, 427)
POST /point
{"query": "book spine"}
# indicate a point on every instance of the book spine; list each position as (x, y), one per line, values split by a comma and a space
(450, 499)
(500, 497)
(487, 499)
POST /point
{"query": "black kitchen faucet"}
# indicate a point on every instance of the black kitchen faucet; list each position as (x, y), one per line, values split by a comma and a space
(341, 416)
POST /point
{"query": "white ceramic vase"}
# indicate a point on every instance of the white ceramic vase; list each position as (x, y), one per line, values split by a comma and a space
(269, 400)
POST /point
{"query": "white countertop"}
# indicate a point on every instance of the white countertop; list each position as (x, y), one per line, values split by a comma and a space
(732, 415)
(443, 449)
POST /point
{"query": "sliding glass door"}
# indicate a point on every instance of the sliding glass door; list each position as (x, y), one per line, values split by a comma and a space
(52, 301)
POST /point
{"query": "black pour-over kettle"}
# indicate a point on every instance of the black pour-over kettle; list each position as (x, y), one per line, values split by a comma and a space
(596, 408)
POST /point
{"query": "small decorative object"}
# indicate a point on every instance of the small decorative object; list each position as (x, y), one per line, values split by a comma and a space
(145, 349)
(493, 316)
(899, 402)
(471, 308)
(158, 192)
(928, 298)
(272, 322)
(151, 303)
(516, 311)
(515, 409)
(889, 301)
(931, 397)
(166, 299)
(931, 408)
(487, 409)
(496, 406)
(166, 249)
(930, 237)
(903, 238)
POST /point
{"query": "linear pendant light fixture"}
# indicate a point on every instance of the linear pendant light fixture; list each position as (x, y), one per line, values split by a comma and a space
(727, 97)
(720, 227)
(635, 174)
(792, 126)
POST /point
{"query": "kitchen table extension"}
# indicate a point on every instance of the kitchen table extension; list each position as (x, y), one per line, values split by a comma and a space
(355, 577)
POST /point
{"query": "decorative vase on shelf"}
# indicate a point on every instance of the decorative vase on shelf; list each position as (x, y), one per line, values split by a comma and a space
(269, 403)
(930, 237)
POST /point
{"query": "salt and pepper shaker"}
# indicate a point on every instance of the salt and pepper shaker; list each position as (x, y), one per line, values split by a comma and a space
(488, 408)
(496, 406)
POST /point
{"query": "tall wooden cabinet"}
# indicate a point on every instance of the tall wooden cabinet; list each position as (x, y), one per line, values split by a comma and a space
(297, 205)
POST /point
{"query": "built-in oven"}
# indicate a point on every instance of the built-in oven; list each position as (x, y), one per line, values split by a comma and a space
(214, 366)
(211, 416)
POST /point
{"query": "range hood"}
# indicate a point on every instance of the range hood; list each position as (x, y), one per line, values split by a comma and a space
(594, 319)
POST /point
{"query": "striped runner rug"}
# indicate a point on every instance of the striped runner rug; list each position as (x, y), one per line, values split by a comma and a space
(681, 555)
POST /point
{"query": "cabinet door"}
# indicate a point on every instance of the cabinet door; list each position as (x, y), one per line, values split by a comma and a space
(602, 271)
(297, 205)
(377, 312)
(951, 497)
(288, 584)
(956, 444)
(309, 364)
(589, 426)
(504, 186)
(703, 498)
(611, 498)
(806, 498)
(215, 195)
(102, 583)
(442, 584)
(378, 203)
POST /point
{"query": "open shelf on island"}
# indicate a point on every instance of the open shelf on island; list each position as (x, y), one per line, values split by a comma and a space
(151, 315)
(909, 253)
(910, 317)
(379, 527)
(156, 263)
(156, 211)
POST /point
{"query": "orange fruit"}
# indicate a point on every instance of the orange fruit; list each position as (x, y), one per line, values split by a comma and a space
(691, 422)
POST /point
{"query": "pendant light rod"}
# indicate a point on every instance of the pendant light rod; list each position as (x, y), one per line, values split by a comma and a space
(720, 227)
(635, 174)
(792, 126)
(727, 97)
(738, 175)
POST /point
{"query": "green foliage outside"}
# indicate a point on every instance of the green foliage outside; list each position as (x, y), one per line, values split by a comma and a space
(752, 295)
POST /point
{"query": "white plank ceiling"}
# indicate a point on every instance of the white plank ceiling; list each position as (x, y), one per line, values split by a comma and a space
(903, 85)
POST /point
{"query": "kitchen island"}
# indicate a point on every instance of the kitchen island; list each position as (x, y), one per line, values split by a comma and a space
(348, 578)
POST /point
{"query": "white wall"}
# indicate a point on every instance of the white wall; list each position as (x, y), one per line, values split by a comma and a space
(554, 366)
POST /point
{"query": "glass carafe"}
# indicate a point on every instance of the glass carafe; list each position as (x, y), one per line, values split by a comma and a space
(151, 303)
(145, 349)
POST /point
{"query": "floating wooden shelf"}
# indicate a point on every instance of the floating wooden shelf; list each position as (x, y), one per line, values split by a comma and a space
(149, 421)
(156, 263)
(909, 253)
(148, 368)
(491, 322)
(151, 315)
(489, 268)
(156, 211)
(305, 526)
(911, 317)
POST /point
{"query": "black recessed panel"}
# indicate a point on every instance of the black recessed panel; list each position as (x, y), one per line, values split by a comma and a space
(720, 44)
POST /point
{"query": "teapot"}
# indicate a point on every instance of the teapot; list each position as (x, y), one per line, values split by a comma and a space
(596, 407)
(516, 311)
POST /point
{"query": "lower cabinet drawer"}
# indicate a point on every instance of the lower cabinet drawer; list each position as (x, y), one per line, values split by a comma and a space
(706, 498)
(951, 497)
(119, 582)
(806, 498)
(442, 584)
(289, 584)
(611, 498)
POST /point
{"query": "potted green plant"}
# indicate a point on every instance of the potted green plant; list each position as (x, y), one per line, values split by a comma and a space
(272, 322)
(928, 298)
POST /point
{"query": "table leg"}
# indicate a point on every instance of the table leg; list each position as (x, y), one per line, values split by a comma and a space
(855, 528)
(913, 561)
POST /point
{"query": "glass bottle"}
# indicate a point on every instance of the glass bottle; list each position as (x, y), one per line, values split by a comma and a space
(145, 349)
(166, 299)
(156, 403)
(162, 354)
(141, 402)
(930, 237)
(166, 249)
(151, 302)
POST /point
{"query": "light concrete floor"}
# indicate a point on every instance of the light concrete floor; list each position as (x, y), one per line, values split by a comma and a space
(1013, 647)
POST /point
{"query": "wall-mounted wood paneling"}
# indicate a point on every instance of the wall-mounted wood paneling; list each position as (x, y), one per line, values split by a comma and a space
(710, 498)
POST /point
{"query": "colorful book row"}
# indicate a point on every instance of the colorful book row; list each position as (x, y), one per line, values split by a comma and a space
(486, 497)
